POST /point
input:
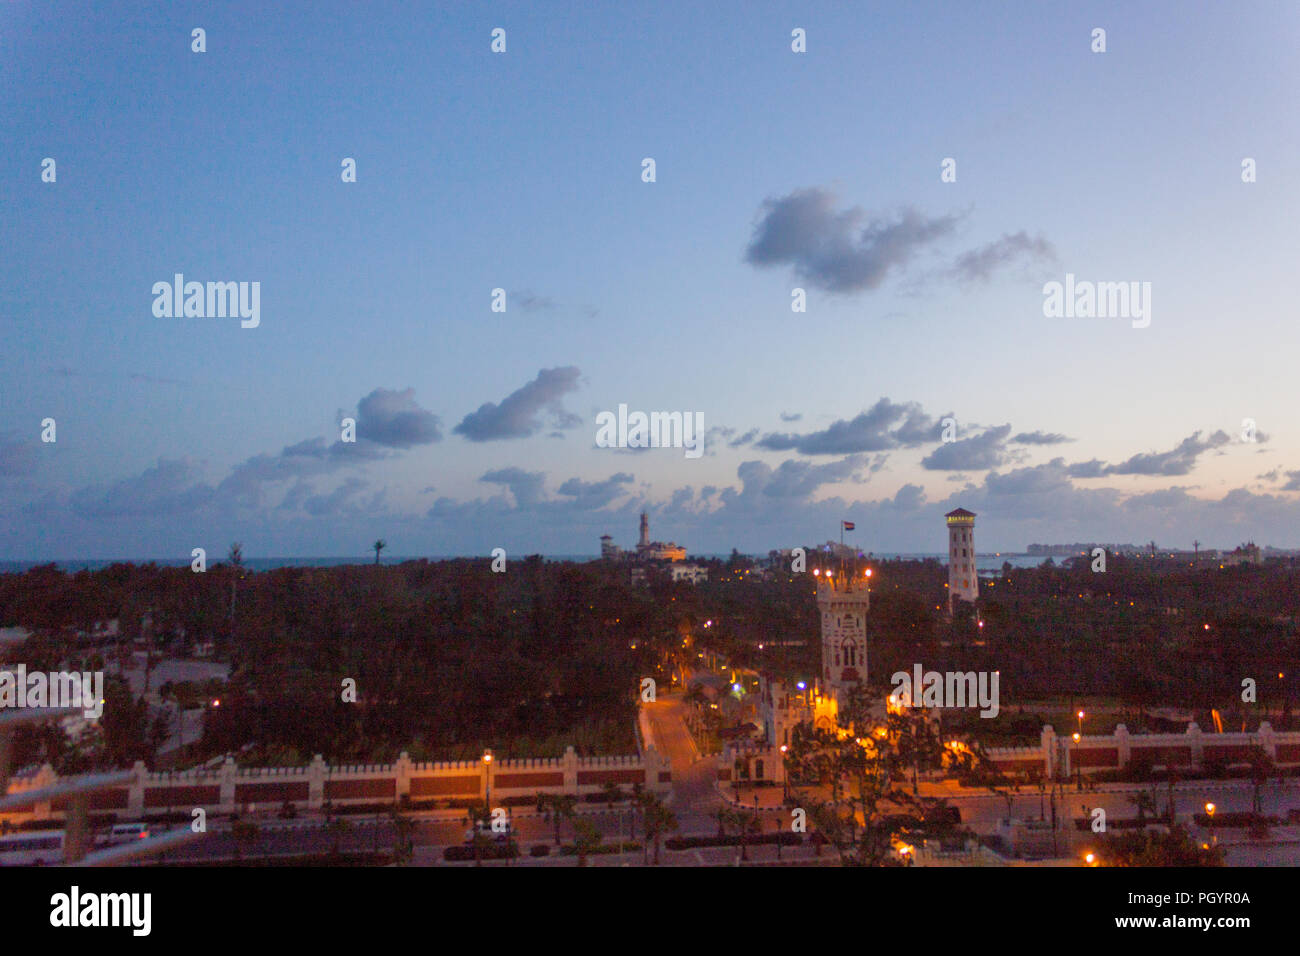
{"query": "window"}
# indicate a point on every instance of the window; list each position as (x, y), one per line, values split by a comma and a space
(850, 654)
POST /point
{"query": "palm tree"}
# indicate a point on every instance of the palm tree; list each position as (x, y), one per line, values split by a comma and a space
(585, 839)
(658, 820)
(236, 558)
(557, 807)
(403, 844)
(379, 546)
(1145, 802)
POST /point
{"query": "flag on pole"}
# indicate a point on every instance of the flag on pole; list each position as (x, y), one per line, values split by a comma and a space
(848, 525)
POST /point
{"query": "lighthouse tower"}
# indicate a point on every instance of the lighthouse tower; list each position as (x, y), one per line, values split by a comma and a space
(962, 581)
(843, 600)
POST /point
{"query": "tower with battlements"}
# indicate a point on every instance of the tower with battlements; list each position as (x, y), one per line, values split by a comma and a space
(843, 599)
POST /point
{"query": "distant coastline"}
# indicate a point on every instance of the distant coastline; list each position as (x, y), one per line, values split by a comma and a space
(984, 562)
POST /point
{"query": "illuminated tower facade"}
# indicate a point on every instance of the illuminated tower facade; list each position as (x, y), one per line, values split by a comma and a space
(962, 580)
(645, 532)
(843, 599)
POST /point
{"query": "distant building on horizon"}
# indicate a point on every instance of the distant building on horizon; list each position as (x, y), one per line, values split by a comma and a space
(646, 550)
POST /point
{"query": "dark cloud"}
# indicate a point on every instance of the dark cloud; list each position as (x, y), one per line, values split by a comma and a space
(530, 302)
(1177, 461)
(387, 420)
(981, 263)
(884, 426)
(394, 420)
(295, 497)
(986, 450)
(306, 459)
(172, 487)
(1034, 480)
(590, 495)
(526, 486)
(519, 414)
(791, 417)
(1094, 468)
(839, 250)
(1039, 438)
(1162, 499)
(333, 503)
(795, 479)
(909, 498)
(1292, 482)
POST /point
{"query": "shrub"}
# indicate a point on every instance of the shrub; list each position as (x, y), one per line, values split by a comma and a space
(489, 851)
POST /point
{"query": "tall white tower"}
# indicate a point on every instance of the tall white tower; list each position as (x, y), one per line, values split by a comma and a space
(843, 601)
(962, 580)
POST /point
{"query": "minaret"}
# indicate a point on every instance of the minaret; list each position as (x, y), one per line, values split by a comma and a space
(645, 531)
(962, 580)
(843, 601)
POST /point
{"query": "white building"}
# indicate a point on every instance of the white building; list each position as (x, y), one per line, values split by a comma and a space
(695, 573)
(962, 579)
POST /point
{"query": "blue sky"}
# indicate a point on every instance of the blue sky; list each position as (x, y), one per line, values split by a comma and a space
(522, 171)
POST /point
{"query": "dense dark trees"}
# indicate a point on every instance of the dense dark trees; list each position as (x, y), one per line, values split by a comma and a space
(449, 657)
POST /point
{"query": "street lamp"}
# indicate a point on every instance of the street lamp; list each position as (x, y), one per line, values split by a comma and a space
(1078, 771)
(785, 775)
(1209, 812)
(487, 782)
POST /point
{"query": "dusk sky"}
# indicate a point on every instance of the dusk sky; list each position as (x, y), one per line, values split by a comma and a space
(522, 170)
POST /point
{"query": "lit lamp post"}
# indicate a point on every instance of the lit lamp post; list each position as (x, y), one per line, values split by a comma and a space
(1078, 773)
(487, 784)
(785, 775)
(1209, 812)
